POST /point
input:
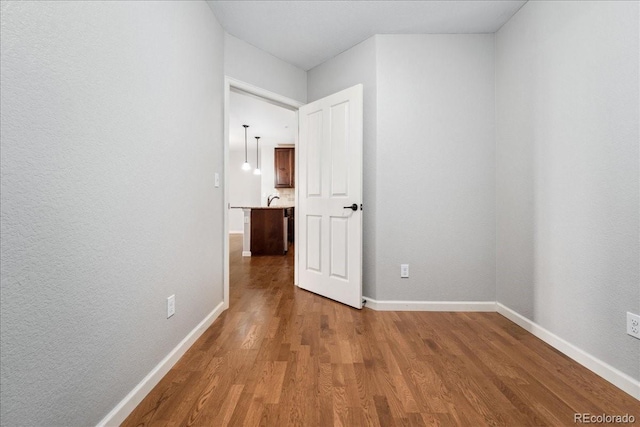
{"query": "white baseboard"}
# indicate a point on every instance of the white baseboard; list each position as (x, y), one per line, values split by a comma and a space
(133, 399)
(246, 253)
(606, 371)
(236, 232)
(430, 305)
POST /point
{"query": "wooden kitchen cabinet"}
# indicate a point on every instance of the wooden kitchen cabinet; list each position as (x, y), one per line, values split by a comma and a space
(267, 231)
(284, 159)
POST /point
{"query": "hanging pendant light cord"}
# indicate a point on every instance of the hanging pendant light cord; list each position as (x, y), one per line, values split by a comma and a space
(245, 143)
(257, 154)
(257, 170)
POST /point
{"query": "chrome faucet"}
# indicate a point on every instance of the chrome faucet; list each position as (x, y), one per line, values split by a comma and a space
(270, 199)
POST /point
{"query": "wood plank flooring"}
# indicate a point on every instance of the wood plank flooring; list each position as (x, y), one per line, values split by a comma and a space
(282, 356)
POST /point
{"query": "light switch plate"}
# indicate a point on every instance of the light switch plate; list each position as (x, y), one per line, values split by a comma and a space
(633, 325)
(171, 306)
(216, 177)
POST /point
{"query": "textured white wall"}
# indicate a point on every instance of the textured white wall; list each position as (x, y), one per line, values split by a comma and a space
(568, 172)
(436, 167)
(267, 167)
(357, 65)
(244, 188)
(249, 64)
(111, 125)
(429, 188)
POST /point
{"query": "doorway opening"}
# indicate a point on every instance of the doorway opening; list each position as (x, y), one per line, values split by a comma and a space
(274, 119)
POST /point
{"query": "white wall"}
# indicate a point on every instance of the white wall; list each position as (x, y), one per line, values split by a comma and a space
(268, 174)
(111, 131)
(568, 172)
(249, 64)
(429, 190)
(244, 189)
(436, 167)
(357, 65)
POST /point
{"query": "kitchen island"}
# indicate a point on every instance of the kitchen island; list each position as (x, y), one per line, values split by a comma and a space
(267, 230)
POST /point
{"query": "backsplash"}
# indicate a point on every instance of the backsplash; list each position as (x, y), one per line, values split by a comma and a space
(287, 197)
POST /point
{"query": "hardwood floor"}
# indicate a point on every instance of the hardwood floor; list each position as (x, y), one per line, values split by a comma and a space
(282, 356)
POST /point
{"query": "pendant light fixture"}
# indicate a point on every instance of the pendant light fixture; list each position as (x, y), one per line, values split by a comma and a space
(246, 166)
(257, 170)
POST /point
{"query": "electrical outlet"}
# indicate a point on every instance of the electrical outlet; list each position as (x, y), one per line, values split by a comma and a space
(633, 325)
(171, 306)
(404, 270)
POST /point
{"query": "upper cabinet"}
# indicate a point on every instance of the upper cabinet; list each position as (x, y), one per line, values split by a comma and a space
(284, 159)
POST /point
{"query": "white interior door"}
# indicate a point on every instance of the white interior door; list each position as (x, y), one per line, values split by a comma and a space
(330, 180)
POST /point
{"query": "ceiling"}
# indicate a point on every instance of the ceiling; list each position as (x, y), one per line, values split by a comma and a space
(307, 33)
(274, 125)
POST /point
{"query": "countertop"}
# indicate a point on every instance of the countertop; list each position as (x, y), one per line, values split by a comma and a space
(262, 207)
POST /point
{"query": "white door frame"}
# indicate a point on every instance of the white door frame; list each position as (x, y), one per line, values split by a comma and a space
(268, 96)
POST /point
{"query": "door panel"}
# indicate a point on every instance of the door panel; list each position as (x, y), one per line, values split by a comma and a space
(339, 247)
(313, 159)
(339, 149)
(314, 243)
(330, 162)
